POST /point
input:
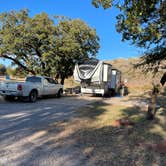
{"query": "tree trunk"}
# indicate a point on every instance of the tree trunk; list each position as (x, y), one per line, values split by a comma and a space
(163, 79)
(62, 80)
(151, 109)
(152, 105)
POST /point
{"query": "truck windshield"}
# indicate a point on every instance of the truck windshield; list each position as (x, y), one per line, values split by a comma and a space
(33, 79)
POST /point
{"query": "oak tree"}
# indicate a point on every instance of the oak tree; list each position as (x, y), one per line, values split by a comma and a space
(45, 46)
(143, 22)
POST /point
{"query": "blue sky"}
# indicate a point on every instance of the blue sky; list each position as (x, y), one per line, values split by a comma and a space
(102, 20)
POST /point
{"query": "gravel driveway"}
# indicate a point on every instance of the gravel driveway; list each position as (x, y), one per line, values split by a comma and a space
(30, 134)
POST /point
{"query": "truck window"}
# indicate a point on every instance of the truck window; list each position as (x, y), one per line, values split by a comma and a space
(51, 81)
(33, 79)
(56, 82)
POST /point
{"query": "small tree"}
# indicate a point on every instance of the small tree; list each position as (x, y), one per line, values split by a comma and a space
(11, 71)
(2, 69)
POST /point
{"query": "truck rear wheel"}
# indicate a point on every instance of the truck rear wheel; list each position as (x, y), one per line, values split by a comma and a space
(33, 96)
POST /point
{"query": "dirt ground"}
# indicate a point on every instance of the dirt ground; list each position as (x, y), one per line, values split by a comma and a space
(82, 131)
(33, 134)
(106, 142)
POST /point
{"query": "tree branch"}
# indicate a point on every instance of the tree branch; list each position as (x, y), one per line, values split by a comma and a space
(18, 63)
(40, 56)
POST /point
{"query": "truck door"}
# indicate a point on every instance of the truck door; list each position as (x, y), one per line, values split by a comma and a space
(54, 86)
(47, 90)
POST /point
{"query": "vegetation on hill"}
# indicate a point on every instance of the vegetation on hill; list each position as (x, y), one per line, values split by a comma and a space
(138, 81)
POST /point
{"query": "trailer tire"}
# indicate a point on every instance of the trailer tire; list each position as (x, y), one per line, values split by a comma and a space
(33, 96)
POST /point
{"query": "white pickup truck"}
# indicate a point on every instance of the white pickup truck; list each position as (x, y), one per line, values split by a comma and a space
(32, 88)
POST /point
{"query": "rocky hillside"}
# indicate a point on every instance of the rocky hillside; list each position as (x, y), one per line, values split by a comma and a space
(137, 80)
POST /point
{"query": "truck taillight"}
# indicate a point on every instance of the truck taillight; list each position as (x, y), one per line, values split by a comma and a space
(19, 87)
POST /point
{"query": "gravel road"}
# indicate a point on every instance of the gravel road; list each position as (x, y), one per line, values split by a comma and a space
(29, 136)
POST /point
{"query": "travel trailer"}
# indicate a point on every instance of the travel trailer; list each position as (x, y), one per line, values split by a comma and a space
(97, 77)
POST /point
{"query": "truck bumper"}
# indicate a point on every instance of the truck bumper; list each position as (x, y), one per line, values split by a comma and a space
(92, 91)
(10, 93)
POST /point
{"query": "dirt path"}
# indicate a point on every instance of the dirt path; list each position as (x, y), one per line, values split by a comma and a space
(33, 134)
(51, 131)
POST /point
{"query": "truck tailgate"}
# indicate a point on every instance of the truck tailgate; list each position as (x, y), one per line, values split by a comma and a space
(8, 86)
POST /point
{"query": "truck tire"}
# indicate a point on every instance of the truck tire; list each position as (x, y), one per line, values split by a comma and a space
(60, 92)
(33, 96)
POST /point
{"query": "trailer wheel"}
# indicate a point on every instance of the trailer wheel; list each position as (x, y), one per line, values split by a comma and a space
(33, 96)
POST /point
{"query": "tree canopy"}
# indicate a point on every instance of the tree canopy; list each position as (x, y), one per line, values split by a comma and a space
(143, 22)
(75, 42)
(45, 46)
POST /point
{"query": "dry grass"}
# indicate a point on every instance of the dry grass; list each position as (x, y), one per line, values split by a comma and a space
(69, 83)
(12, 79)
(107, 144)
(137, 80)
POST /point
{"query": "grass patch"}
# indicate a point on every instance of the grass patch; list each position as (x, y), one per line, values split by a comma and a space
(105, 144)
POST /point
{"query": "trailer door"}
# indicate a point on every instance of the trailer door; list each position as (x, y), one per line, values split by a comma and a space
(113, 79)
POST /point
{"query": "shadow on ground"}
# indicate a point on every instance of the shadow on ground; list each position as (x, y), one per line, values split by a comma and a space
(67, 137)
(110, 145)
(32, 134)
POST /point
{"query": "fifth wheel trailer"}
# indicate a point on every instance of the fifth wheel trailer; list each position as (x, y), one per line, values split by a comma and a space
(97, 77)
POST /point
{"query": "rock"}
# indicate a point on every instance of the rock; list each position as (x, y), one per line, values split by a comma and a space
(161, 147)
(115, 123)
(126, 122)
(122, 122)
